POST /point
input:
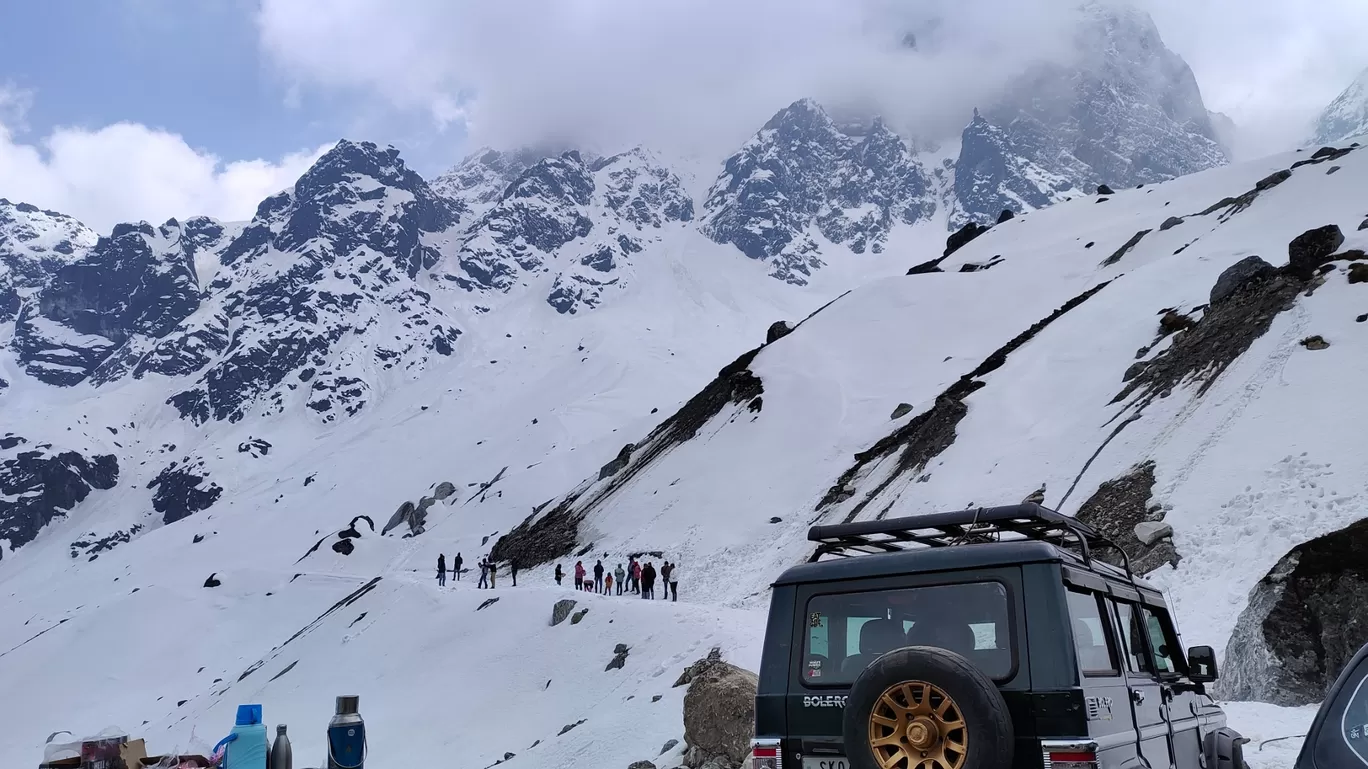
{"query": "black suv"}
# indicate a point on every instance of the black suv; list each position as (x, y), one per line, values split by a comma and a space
(982, 639)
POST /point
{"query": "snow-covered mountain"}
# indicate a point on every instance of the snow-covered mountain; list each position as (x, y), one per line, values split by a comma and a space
(1010, 367)
(1122, 110)
(1346, 117)
(802, 178)
(34, 244)
(553, 355)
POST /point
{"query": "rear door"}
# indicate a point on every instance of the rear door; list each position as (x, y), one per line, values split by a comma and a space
(1148, 704)
(831, 648)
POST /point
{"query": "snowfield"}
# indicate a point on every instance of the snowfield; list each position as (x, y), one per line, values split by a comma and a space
(534, 403)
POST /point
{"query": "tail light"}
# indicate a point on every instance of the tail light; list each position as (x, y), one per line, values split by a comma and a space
(1065, 754)
(765, 754)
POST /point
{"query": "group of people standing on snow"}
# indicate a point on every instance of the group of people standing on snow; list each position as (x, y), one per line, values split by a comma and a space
(489, 569)
(636, 578)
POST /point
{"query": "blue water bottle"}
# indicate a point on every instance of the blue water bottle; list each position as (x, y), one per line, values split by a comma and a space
(346, 735)
(247, 744)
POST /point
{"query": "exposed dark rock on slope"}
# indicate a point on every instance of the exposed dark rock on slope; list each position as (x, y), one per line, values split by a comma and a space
(1303, 623)
(138, 282)
(39, 483)
(1116, 508)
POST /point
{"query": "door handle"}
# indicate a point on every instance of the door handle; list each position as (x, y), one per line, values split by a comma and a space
(1137, 696)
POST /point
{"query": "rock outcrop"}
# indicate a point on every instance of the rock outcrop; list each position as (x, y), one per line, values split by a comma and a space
(39, 483)
(1304, 622)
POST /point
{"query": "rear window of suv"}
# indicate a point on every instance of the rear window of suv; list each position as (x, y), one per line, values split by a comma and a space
(847, 631)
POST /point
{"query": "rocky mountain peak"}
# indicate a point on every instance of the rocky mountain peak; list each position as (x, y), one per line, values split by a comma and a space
(34, 244)
(1122, 110)
(139, 282)
(1346, 117)
(801, 180)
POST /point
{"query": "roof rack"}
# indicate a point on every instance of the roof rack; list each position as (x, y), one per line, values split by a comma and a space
(981, 525)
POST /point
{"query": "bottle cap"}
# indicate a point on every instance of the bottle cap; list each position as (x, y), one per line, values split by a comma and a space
(348, 704)
(280, 728)
(248, 715)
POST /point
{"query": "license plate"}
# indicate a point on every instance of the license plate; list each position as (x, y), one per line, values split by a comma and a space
(825, 762)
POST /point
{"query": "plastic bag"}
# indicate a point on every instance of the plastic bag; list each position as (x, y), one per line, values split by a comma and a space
(56, 751)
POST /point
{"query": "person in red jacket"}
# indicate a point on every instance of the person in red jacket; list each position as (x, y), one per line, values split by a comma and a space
(636, 576)
(579, 575)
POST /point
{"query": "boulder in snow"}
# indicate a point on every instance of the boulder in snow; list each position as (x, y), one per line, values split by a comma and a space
(1303, 624)
(962, 237)
(561, 611)
(901, 410)
(1316, 342)
(1358, 272)
(719, 713)
(619, 658)
(641, 765)
(1103, 189)
(444, 490)
(1150, 532)
(1170, 223)
(1313, 248)
(1246, 271)
(777, 330)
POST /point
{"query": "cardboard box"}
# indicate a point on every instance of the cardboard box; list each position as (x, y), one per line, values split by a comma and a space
(194, 759)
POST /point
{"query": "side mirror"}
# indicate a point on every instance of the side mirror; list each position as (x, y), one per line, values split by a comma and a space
(1202, 664)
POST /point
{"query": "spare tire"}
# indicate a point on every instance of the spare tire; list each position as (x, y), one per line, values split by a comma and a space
(921, 707)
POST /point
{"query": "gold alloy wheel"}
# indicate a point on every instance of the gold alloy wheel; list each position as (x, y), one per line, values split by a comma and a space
(916, 725)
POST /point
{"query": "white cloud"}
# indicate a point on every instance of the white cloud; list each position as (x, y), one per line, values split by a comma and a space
(705, 73)
(129, 172)
(699, 74)
(1270, 65)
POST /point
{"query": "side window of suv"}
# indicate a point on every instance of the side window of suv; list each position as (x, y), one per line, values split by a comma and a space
(1132, 632)
(1157, 627)
(1095, 654)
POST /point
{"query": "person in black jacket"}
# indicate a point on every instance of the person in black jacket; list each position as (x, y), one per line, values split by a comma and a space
(598, 577)
(457, 563)
(665, 580)
(560, 574)
(441, 570)
(513, 569)
(648, 575)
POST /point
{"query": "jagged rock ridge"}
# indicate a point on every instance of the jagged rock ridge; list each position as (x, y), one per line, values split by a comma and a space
(802, 177)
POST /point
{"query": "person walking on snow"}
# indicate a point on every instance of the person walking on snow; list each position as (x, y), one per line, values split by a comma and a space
(665, 580)
(441, 570)
(579, 575)
(484, 573)
(620, 576)
(457, 564)
(674, 582)
(560, 574)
